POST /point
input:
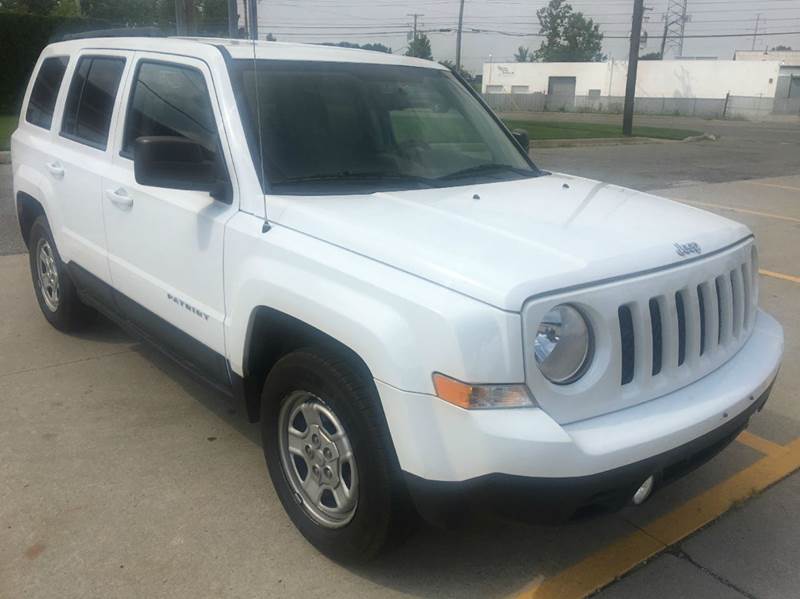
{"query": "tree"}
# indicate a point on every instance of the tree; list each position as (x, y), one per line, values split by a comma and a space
(377, 47)
(66, 8)
(523, 55)
(569, 36)
(420, 47)
(651, 56)
(38, 7)
(781, 48)
(374, 47)
(452, 66)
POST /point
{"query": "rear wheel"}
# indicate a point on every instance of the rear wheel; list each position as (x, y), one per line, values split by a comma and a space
(329, 455)
(55, 291)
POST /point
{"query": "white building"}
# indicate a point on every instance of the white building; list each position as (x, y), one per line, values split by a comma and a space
(707, 79)
(789, 74)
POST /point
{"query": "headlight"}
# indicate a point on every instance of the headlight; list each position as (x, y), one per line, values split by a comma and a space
(563, 345)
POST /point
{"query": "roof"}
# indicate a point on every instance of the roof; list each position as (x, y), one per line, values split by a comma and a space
(239, 48)
(789, 58)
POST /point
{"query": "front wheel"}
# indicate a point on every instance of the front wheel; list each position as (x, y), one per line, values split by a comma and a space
(329, 455)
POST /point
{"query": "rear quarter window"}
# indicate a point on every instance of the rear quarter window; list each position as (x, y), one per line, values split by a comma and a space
(45, 91)
(90, 102)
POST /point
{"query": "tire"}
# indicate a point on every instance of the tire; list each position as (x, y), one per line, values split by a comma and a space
(58, 299)
(336, 395)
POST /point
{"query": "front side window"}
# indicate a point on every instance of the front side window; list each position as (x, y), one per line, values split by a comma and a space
(45, 91)
(90, 102)
(322, 127)
(172, 100)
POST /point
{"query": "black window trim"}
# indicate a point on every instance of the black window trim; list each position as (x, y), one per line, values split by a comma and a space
(172, 63)
(76, 138)
(38, 72)
(129, 100)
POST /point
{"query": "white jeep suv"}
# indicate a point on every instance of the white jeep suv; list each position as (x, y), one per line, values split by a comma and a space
(354, 246)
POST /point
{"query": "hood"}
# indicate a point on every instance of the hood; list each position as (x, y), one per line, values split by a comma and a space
(502, 243)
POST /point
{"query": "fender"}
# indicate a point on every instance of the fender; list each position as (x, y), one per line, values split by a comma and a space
(401, 326)
(29, 181)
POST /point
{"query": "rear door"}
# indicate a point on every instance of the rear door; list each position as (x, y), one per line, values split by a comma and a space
(166, 245)
(83, 153)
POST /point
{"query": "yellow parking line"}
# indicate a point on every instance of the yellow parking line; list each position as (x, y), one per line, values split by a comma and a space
(778, 275)
(742, 210)
(760, 444)
(605, 566)
(773, 185)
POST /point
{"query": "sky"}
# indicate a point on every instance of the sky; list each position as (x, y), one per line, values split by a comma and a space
(507, 24)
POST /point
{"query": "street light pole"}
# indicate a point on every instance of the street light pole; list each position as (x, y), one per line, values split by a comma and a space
(633, 63)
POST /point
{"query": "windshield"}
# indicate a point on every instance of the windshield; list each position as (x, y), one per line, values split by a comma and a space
(352, 127)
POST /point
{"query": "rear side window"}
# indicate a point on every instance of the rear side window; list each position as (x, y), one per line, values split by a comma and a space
(173, 100)
(45, 91)
(90, 102)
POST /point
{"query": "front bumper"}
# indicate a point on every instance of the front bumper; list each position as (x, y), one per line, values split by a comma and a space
(554, 499)
(436, 441)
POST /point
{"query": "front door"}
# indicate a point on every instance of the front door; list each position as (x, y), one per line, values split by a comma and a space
(165, 245)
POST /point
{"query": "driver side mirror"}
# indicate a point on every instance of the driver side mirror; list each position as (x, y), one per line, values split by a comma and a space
(178, 163)
(522, 138)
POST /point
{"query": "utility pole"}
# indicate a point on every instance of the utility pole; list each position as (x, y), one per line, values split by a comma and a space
(458, 36)
(253, 10)
(633, 63)
(755, 32)
(233, 19)
(416, 15)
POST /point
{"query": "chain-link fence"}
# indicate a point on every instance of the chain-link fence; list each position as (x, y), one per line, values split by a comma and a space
(732, 107)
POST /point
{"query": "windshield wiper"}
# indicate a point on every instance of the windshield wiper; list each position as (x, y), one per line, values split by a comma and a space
(488, 168)
(351, 176)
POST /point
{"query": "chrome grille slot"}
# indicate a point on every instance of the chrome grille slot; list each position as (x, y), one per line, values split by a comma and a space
(748, 294)
(737, 301)
(681, 313)
(655, 329)
(627, 344)
(701, 301)
(725, 302)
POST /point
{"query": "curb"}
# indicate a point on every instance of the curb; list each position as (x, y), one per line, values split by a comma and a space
(600, 141)
(703, 137)
(5, 157)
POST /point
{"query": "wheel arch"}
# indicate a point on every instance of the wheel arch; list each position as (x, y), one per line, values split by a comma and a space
(272, 334)
(28, 210)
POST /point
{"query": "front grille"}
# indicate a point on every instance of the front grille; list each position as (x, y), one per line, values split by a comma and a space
(680, 327)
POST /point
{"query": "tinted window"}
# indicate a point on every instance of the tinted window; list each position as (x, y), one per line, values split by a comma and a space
(87, 114)
(168, 99)
(45, 91)
(320, 127)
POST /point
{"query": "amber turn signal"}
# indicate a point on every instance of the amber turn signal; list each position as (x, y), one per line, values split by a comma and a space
(481, 397)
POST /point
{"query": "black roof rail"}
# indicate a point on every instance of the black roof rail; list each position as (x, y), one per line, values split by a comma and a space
(118, 32)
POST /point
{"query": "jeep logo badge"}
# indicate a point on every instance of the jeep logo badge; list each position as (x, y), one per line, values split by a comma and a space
(684, 249)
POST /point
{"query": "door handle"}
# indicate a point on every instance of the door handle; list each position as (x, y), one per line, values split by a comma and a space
(119, 197)
(56, 169)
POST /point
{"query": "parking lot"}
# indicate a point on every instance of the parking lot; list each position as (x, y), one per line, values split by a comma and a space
(123, 477)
